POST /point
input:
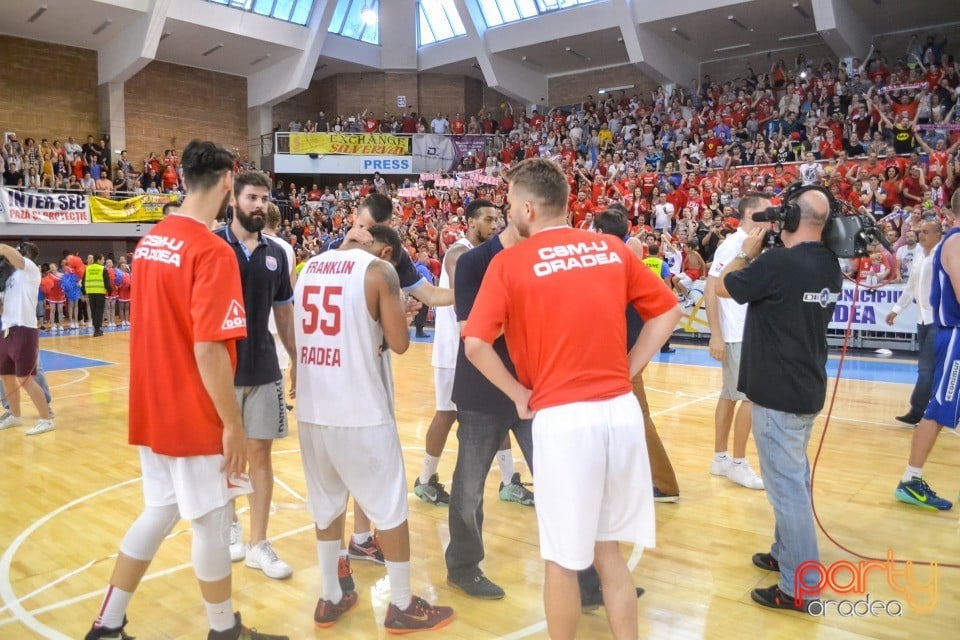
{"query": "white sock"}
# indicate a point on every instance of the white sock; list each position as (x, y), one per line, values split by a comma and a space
(720, 456)
(115, 603)
(328, 552)
(220, 615)
(343, 553)
(400, 591)
(430, 464)
(360, 538)
(739, 460)
(505, 460)
(912, 472)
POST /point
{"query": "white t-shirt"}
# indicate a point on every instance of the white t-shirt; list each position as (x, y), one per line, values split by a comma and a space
(439, 125)
(20, 297)
(288, 251)
(907, 257)
(732, 315)
(663, 214)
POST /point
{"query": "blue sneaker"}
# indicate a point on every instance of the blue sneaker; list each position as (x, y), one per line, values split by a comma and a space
(918, 493)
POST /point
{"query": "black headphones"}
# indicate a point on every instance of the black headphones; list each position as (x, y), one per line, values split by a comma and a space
(790, 210)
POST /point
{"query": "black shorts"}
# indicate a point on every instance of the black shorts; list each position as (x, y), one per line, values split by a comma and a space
(19, 350)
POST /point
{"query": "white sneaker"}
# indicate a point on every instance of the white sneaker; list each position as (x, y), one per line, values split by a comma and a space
(238, 550)
(10, 421)
(43, 425)
(745, 476)
(263, 557)
(720, 467)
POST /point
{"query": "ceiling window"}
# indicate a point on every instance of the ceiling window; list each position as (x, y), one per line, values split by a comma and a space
(497, 12)
(357, 19)
(437, 20)
(295, 11)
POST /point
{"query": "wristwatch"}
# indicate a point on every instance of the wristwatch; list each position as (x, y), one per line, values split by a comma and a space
(743, 256)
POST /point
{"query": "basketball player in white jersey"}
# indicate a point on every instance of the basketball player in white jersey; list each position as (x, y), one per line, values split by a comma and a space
(482, 218)
(270, 233)
(347, 304)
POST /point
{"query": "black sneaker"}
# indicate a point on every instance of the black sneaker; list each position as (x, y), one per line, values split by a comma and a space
(240, 632)
(103, 633)
(594, 600)
(766, 561)
(775, 599)
(479, 586)
(910, 418)
(660, 496)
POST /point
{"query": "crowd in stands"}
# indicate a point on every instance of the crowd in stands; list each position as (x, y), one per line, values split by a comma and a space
(882, 135)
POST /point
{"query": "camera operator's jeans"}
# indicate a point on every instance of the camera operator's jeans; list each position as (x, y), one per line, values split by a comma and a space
(480, 435)
(782, 440)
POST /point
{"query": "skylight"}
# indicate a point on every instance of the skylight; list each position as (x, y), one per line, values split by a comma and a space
(357, 19)
(437, 20)
(497, 12)
(295, 11)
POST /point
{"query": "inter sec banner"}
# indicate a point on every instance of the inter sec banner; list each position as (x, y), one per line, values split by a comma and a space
(145, 208)
(32, 207)
(350, 144)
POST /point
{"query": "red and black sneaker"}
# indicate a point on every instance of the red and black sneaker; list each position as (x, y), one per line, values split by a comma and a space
(369, 550)
(419, 616)
(327, 613)
(766, 561)
(774, 598)
(345, 574)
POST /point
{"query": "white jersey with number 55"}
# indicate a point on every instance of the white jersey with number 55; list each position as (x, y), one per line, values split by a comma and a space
(339, 379)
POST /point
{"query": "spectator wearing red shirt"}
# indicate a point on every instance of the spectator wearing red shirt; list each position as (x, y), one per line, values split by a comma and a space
(586, 414)
(581, 208)
(458, 126)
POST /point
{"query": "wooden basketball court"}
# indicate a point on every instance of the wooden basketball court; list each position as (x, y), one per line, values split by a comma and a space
(68, 497)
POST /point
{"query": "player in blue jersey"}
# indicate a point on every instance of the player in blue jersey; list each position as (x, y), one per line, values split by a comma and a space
(944, 407)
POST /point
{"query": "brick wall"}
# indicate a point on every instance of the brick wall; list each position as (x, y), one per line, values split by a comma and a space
(574, 88)
(350, 93)
(47, 91)
(167, 105)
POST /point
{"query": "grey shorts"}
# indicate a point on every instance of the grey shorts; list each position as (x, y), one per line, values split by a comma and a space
(264, 410)
(731, 372)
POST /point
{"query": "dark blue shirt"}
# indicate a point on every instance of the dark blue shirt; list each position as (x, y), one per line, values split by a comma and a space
(265, 277)
(471, 389)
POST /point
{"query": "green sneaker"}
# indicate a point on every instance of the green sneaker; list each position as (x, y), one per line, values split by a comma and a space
(516, 492)
(432, 492)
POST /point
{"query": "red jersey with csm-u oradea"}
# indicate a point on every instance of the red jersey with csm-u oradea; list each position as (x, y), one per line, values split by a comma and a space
(544, 291)
(188, 291)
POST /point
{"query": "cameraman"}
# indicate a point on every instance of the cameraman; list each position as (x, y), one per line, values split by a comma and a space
(20, 340)
(790, 293)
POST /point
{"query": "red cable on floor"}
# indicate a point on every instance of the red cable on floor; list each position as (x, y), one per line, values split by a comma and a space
(823, 436)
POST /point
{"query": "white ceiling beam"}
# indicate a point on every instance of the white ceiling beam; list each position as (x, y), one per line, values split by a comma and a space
(398, 28)
(841, 28)
(651, 54)
(122, 57)
(649, 11)
(289, 77)
(241, 23)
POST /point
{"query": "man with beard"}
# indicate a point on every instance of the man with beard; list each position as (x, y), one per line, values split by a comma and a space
(258, 383)
(183, 413)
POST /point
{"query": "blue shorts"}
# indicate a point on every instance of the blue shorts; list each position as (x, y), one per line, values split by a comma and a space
(944, 406)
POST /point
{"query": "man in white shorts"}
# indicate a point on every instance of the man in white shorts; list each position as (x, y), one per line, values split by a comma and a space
(348, 308)
(183, 411)
(726, 319)
(593, 474)
(482, 223)
(265, 278)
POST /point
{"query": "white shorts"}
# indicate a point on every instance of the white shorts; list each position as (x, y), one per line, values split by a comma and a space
(364, 461)
(593, 479)
(443, 388)
(685, 281)
(195, 483)
(731, 372)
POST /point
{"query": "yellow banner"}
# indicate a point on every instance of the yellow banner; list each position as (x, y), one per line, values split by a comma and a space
(145, 208)
(350, 144)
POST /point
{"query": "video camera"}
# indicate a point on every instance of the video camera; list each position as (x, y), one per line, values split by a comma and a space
(847, 233)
